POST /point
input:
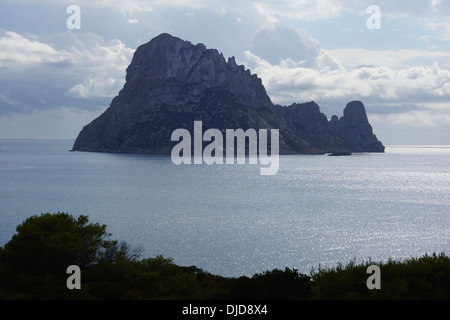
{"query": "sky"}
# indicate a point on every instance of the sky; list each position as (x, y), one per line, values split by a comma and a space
(55, 79)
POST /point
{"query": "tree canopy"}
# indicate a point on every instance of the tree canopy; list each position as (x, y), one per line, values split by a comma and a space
(50, 242)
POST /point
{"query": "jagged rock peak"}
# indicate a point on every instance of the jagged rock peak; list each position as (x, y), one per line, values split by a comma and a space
(166, 57)
(355, 110)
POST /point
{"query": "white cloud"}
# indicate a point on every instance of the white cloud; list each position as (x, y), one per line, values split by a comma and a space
(97, 87)
(287, 83)
(102, 65)
(327, 63)
(76, 66)
(18, 50)
(406, 92)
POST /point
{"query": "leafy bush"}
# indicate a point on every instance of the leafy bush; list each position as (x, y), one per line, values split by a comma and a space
(427, 277)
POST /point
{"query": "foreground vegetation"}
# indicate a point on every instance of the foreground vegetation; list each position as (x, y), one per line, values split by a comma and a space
(33, 266)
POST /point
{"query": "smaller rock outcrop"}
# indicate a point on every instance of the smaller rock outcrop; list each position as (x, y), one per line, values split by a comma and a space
(355, 129)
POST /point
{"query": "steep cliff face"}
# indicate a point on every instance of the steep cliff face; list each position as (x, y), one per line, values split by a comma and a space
(169, 62)
(171, 83)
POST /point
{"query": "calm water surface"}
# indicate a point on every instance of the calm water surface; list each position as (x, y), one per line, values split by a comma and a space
(230, 220)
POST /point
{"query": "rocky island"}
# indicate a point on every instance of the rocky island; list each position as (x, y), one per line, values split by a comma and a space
(170, 83)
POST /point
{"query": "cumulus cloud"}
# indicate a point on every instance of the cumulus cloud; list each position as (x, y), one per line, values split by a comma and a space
(74, 69)
(21, 51)
(396, 94)
(404, 100)
(330, 80)
(102, 65)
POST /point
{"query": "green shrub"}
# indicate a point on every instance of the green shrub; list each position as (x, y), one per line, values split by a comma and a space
(33, 266)
(427, 277)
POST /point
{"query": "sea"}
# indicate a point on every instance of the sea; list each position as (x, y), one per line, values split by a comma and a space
(316, 212)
